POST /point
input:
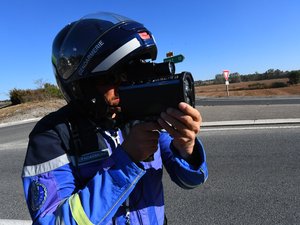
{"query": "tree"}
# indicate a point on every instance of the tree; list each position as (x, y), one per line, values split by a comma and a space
(235, 78)
(219, 79)
(40, 83)
(294, 77)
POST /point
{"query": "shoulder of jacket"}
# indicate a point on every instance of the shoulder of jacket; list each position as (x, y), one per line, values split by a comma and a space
(52, 121)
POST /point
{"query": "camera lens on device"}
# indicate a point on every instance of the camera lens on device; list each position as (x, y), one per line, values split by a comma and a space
(188, 90)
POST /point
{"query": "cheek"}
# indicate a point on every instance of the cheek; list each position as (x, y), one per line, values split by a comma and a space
(110, 94)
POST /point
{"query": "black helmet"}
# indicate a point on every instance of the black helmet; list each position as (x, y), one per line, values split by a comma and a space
(97, 45)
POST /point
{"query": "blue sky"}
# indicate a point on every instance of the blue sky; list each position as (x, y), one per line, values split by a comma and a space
(239, 35)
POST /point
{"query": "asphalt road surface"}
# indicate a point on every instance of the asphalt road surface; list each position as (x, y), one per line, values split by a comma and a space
(253, 178)
(281, 100)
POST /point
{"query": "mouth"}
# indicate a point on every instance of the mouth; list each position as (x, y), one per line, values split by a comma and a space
(115, 105)
(116, 101)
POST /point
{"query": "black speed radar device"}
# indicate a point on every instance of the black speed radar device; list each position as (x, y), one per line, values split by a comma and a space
(152, 88)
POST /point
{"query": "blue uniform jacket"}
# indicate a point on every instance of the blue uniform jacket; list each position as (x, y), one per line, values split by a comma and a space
(98, 183)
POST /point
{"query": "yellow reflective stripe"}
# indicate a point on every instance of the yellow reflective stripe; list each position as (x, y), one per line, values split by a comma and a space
(77, 211)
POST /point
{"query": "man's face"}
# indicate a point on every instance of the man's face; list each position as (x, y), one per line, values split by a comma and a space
(109, 89)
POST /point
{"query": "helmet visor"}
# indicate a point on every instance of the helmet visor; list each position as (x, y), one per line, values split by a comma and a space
(81, 37)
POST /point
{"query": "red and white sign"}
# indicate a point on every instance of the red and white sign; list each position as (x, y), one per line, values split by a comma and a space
(226, 74)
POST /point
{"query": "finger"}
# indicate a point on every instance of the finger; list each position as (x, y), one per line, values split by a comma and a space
(189, 110)
(186, 120)
(178, 129)
(172, 121)
(181, 136)
(170, 129)
(188, 114)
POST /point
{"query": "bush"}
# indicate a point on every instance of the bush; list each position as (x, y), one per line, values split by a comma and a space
(18, 96)
(294, 77)
(52, 91)
(15, 96)
(278, 85)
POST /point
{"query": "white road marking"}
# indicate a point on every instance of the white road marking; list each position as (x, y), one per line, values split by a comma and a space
(15, 222)
(249, 128)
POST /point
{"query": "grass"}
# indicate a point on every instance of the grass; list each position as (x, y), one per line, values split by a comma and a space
(251, 88)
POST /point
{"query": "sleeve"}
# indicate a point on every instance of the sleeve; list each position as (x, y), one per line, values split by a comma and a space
(181, 172)
(53, 192)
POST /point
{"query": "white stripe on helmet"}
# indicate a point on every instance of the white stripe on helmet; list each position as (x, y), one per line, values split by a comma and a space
(117, 55)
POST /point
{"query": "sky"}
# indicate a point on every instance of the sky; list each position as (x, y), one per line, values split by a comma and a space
(213, 35)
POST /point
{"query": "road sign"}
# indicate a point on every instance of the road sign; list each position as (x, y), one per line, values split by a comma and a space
(175, 59)
(226, 74)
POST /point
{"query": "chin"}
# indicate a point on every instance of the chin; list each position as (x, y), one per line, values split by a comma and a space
(115, 109)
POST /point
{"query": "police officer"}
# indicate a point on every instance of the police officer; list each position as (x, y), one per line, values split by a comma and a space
(80, 168)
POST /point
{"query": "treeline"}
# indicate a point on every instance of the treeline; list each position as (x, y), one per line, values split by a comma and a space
(293, 76)
(46, 91)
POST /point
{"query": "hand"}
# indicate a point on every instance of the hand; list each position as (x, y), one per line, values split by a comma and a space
(184, 125)
(142, 141)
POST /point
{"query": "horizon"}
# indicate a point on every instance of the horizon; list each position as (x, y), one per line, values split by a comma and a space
(38, 83)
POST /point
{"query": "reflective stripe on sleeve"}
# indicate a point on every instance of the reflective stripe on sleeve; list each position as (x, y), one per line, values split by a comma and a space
(46, 166)
(77, 211)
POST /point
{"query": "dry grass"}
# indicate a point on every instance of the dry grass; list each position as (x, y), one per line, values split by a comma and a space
(29, 110)
(240, 89)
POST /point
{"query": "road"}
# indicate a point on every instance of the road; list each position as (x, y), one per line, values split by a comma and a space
(248, 101)
(248, 108)
(253, 179)
(253, 172)
(12, 153)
